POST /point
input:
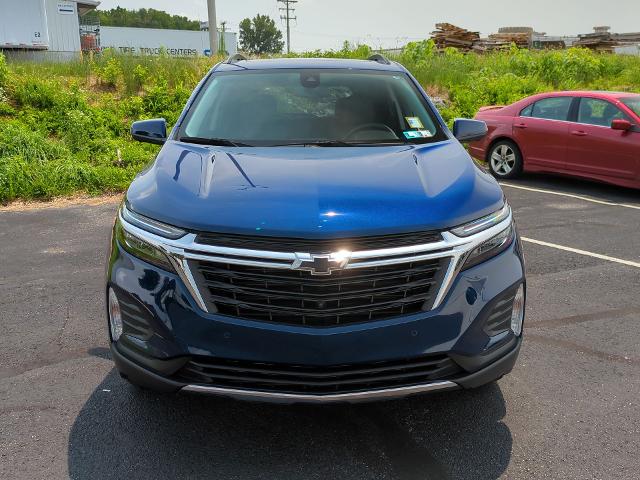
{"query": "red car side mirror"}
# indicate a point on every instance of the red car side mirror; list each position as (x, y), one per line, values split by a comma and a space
(620, 124)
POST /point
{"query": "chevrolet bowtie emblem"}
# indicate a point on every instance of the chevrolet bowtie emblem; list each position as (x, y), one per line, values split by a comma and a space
(321, 264)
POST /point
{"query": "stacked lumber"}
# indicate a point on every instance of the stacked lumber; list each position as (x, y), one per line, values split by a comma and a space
(600, 42)
(448, 35)
(527, 30)
(522, 40)
(501, 41)
(626, 37)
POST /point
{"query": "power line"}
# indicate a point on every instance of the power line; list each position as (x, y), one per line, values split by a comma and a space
(287, 17)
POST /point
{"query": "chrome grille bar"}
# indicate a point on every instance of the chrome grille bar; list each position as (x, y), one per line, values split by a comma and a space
(182, 250)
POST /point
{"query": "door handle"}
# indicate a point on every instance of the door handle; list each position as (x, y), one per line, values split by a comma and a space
(520, 125)
(579, 133)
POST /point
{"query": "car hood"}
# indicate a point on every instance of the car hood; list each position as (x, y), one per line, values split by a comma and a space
(314, 192)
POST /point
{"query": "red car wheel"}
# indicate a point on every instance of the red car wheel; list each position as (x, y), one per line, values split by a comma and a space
(505, 159)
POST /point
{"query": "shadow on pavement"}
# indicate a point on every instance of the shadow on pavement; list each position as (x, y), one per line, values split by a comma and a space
(122, 432)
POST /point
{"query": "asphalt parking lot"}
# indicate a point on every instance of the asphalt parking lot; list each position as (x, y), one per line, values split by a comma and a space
(570, 409)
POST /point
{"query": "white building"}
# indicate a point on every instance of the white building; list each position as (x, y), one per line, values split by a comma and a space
(56, 30)
(43, 28)
(630, 49)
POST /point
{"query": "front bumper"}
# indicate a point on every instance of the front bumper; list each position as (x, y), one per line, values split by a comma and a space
(170, 330)
(147, 378)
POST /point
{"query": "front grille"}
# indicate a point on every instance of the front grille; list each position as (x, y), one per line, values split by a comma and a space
(295, 297)
(286, 244)
(317, 380)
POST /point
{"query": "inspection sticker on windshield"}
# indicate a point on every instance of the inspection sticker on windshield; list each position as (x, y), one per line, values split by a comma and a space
(414, 122)
(418, 134)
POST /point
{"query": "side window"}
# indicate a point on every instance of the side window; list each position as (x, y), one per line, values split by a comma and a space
(594, 111)
(554, 108)
(527, 111)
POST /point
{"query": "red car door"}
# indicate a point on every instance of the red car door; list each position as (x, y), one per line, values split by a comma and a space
(541, 132)
(595, 148)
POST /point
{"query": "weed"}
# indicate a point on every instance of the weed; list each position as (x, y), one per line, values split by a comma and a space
(4, 71)
(64, 127)
(111, 73)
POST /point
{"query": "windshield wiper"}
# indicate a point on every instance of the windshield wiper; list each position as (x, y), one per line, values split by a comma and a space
(342, 143)
(317, 143)
(213, 141)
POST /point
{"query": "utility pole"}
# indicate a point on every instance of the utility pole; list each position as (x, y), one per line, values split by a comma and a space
(288, 10)
(213, 27)
(223, 43)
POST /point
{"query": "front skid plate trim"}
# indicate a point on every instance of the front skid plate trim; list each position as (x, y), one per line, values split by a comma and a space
(331, 398)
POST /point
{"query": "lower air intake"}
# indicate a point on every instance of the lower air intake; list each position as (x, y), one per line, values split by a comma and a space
(317, 380)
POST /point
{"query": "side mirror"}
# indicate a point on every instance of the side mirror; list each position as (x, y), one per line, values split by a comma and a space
(621, 124)
(469, 130)
(150, 131)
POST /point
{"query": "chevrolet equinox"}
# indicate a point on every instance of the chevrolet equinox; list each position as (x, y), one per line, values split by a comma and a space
(311, 231)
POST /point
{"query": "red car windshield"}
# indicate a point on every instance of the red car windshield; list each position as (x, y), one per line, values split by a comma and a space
(633, 103)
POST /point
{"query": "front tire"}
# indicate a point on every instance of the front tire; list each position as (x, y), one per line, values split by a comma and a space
(505, 160)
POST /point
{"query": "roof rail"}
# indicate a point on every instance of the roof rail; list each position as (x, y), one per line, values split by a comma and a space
(378, 57)
(235, 58)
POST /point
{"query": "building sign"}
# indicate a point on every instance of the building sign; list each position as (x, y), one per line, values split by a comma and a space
(175, 52)
(66, 8)
(151, 41)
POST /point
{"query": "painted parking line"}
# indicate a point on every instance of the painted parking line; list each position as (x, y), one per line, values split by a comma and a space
(571, 195)
(582, 252)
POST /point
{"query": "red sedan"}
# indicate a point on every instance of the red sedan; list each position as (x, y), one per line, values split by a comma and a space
(594, 135)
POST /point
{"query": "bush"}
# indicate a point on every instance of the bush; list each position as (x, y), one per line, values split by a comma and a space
(80, 128)
(22, 179)
(418, 52)
(140, 75)
(111, 73)
(62, 132)
(4, 71)
(33, 92)
(5, 108)
(16, 140)
(568, 69)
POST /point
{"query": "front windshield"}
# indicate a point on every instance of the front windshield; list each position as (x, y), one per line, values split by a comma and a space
(633, 103)
(300, 106)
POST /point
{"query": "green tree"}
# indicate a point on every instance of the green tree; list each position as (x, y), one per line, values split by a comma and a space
(260, 35)
(145, 17)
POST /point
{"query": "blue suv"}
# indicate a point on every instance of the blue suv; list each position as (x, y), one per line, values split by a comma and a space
(311, 231)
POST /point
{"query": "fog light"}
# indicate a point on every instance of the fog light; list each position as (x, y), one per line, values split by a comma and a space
(517, 314)
(115, 317)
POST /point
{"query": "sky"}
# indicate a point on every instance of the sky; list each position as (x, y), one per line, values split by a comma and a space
(324, 24)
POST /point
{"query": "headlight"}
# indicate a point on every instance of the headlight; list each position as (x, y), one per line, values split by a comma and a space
(490, 248)
(140, 248)
(151, 225)
(483, 223)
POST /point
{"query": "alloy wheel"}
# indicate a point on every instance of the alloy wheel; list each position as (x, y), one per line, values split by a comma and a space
(503, 160)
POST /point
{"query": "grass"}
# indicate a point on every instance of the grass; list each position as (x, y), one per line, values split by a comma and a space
(64, 126)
